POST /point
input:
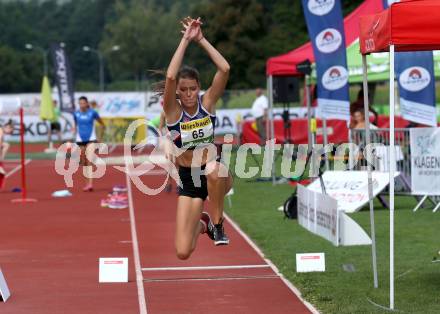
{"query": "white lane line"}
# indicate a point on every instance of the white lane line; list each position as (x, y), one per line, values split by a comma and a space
(272, 265)
(212, 278)
(154, 172)
(204, 267)
(18, 167)
(137, 262)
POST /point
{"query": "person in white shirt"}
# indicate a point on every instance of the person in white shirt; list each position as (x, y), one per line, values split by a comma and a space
(6, 129)
(259, 111)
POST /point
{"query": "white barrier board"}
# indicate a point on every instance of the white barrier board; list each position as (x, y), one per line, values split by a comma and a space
(350, 188)
(425, 161)
(319, 214)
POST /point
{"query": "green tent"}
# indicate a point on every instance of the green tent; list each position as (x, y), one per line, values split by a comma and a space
(378, 65)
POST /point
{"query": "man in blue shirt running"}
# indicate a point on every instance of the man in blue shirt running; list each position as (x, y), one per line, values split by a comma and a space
(86, 135)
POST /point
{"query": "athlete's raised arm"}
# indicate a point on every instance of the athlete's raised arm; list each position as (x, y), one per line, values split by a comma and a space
(215, 91)
(171, 108)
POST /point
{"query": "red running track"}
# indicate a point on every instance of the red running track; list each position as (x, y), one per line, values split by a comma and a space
(49, 255)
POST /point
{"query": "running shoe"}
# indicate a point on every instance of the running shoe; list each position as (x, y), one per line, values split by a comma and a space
(2, 180)
(2, 176)
(118, 201)
(106, 201)
(120, 188)
(208, 227)
(220, 238)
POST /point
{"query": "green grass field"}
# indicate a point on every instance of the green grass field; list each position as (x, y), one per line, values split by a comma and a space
(337, 291)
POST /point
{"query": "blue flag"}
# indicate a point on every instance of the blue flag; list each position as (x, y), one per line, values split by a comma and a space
(415, 77)
(326, 30)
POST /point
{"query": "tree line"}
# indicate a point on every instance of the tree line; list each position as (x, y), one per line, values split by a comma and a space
(247, 32)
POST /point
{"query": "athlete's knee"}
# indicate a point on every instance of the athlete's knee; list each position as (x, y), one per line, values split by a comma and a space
(212, 177)
(216, 171)
(183, 254)
(183, 249)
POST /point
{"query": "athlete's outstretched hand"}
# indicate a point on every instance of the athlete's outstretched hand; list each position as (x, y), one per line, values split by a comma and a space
(191, 29)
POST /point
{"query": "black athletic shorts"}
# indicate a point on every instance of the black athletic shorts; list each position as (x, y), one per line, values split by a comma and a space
(84, 143)
(189, 188)
(55, 126)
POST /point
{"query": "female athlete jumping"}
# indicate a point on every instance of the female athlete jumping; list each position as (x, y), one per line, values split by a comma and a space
(191, 120)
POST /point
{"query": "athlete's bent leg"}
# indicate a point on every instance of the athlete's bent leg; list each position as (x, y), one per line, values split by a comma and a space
(87, 171)
(219, 182)
(188, 225)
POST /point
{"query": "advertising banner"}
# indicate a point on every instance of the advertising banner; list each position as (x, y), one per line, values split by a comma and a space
(425, 161)
(64, 78)
(326, 30)
(35, 130)
(350, 188)
(415, 76)
(318, 213)
(118, 105)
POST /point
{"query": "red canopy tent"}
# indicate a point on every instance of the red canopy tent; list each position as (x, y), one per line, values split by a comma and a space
(412, 25)
(284, 65)
(408, 25)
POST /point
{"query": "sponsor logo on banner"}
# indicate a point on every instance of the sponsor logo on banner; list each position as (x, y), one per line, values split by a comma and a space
(415, 79)
(117, 105)
(329, 40)
(350, 188)
(369, 44)
(335, 78)
(35, 130)
(426, 144)
(321, 7)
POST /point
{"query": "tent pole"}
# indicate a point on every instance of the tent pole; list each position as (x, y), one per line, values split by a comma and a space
(325, 141)
(309, 110)
(271, 125)
(392, 165)
(369, 157)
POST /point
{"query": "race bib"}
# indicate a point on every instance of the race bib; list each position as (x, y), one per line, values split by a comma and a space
(196, 132)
